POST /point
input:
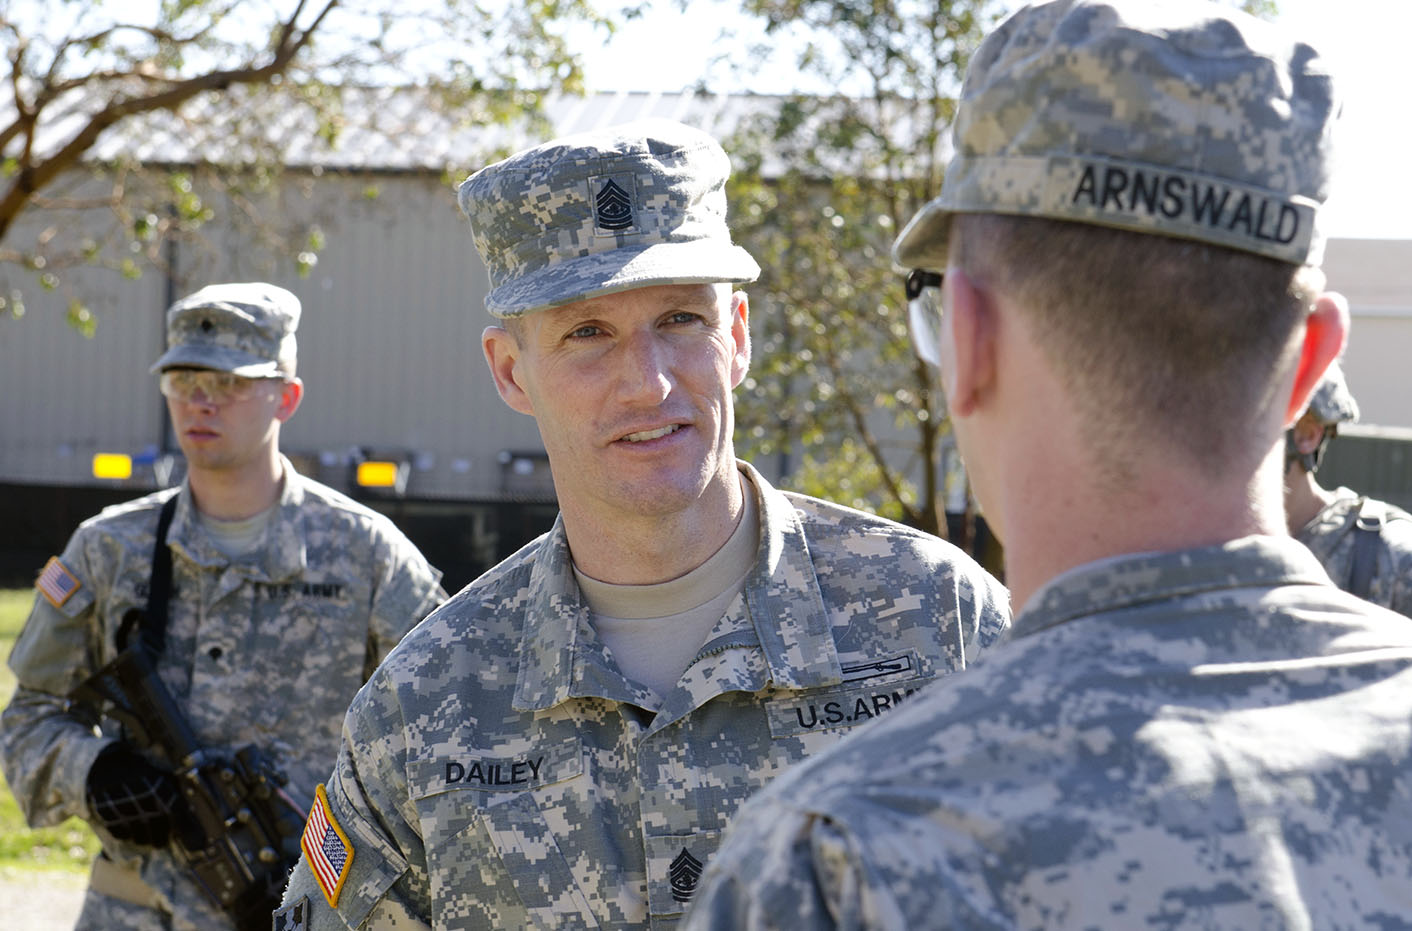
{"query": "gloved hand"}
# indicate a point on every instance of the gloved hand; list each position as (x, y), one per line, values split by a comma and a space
(132, 799)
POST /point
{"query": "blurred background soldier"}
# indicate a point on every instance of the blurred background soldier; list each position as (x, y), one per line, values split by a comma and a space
(281, 595)
(1364, 544)
(561, 745)
(1188, 726)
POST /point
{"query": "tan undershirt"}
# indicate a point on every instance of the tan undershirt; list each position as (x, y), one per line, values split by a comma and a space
(654, 631)
(235, 538)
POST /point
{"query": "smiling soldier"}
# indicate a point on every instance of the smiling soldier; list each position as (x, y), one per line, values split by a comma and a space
(564, 743)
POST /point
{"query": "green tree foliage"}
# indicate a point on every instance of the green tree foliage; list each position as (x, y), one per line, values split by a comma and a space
(823, 185)
(238, 82)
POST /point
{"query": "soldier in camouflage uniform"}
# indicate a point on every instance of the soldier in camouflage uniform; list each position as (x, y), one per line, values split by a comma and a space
(1189, 726)
(1364, 544)
(562, 744)
(284, 596)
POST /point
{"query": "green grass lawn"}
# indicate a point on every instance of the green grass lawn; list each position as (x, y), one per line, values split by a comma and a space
(70, 846)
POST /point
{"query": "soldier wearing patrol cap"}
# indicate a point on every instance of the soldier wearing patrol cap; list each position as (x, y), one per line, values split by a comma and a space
(282, 596)
(1365, 544)
(1188, 726)
(562, 744)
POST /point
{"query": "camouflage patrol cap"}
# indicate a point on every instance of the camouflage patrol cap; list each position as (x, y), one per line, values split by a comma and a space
(625, 207)
(246, 328)
(1332, 402)
(1182, 119)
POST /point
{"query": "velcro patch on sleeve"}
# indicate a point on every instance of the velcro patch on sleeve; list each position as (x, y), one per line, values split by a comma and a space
(327, 848)
(56, 583)
(294, 916)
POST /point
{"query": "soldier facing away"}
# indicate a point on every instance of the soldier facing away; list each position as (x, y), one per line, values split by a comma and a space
(562, 744)
(1189, 726)
(281, 596)
(1365, 544)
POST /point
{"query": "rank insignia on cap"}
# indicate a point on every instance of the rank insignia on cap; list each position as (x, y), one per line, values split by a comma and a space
(327, 847)
(293, 917)
(56, 583)
(612, 206)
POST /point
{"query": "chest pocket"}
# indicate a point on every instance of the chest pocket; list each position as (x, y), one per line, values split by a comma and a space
(674, 867)
(469, 798)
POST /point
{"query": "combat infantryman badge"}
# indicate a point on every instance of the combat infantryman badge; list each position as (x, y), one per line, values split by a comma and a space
(612, 207)
(327, 847)
(684, 873)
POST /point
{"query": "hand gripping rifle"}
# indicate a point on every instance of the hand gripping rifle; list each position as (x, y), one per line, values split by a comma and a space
(245, 836)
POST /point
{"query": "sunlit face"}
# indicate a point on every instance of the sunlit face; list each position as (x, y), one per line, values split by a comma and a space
(234, 432)
(632, 394)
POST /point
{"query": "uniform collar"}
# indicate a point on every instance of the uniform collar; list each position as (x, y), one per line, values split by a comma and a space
(560, 656)
(281, 556)
(1127, 581)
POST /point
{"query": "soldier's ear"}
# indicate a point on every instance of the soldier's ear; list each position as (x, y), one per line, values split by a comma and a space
(968, 343)
(740, 335)
(290, 396)
(1325, 333)
(1308, 434)
(503, 354)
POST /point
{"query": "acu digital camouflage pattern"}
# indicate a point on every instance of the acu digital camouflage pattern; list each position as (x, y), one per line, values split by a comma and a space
(498, 771)
(623, 207)
(1332, 402)
(245, 327)
(268, 650)
(1179, 118)
(1332, 537)
(1213, 738)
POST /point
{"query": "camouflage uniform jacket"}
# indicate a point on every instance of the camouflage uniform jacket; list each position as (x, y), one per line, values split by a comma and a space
(1333, 534)
(267, 650)
(1215, 738)
(498, 771)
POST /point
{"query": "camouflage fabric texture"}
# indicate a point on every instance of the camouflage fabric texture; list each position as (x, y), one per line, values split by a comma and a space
(1332, 402)
(623, 207)
(498, 771)
(265, 650)
(1180, 118)
(243, 327)
(1332, 537)
(1213, 738)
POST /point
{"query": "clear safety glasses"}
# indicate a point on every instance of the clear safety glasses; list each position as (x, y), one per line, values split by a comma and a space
(924, 314)
(215, 387)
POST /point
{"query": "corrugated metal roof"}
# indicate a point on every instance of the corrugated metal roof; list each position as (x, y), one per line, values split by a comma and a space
(385, 129)
(380, 128)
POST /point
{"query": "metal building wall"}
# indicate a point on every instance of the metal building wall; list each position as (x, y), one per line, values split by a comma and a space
(1376, 277)
(389, 349)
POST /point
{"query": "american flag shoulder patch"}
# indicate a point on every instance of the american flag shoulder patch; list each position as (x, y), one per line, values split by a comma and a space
(327, 847)
(56, 583)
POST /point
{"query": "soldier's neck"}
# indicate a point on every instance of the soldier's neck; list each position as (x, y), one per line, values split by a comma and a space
(1304, 497)
(237, 494)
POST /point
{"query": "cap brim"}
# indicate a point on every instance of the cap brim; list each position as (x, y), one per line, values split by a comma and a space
(218, 358)
(695, 262)
(923, 242)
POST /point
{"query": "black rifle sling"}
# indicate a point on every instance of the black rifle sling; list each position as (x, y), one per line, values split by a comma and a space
(154, 621)
(1367, 533)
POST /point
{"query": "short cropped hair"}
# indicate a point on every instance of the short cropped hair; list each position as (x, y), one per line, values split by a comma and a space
(1160, 340)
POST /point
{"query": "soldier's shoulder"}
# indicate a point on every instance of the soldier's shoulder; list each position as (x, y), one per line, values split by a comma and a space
(137, 515)
(489, 607)
(829, 516)
(325, 505)
(851, 532)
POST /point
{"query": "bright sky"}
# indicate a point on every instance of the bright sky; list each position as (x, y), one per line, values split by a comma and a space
(669, 49)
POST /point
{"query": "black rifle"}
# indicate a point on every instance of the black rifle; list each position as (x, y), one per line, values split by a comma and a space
(245, 839)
